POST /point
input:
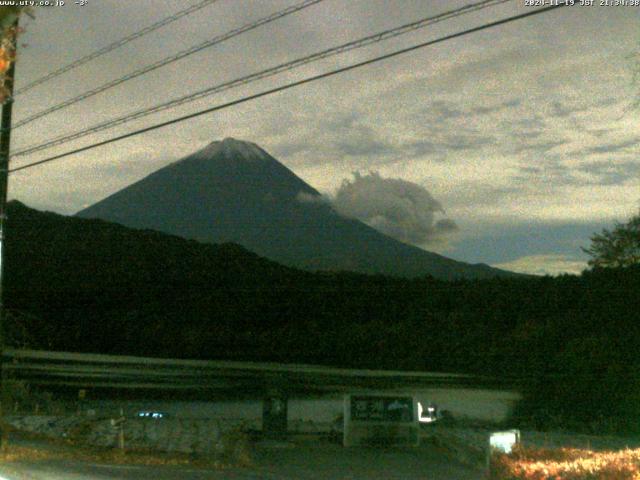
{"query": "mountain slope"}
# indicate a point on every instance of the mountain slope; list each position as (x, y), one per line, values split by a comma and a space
(91, 285)
(233, 191)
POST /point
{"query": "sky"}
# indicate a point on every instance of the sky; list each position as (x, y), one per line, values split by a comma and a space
(512, 146)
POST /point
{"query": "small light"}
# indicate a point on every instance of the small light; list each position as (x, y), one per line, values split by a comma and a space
(425, 419)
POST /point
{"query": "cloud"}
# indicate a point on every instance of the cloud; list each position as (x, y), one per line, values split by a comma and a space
(612, 147)
(608, 172)
(304, 197)
(421, 148)
(457, 142)
(361, 140)
(339, 136)
(444, 110)
(486, 110)
(558, 109)
(401, 209)
(545, 264)
(554, 172)
(599, 132)
(541, 147)
(446, 225)
(568, 108)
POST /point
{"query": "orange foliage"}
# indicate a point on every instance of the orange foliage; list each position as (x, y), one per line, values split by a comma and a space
(566, 464)
(7, 47)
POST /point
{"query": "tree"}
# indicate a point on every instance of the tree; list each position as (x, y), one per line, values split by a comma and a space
(619, 247)
(8, 34)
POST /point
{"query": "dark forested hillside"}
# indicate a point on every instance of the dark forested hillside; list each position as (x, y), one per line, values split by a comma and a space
(88, 285)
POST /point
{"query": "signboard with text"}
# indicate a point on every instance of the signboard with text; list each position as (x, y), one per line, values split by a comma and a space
(380, 420)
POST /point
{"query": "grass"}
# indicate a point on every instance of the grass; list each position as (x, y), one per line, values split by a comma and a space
(566, 464)
(15, 453)
(234, 450)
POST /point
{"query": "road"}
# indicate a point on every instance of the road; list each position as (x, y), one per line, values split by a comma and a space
(317, 462)
(65, 470)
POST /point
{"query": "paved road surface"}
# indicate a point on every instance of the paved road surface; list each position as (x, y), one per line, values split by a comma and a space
(333, 462)
(63, 470)
(298, 463)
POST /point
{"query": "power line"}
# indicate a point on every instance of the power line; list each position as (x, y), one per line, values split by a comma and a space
(166, 61)
(293, 84)
(116, 44)
(362, 42)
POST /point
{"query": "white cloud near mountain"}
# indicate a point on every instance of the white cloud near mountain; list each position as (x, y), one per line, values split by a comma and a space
(403, 210)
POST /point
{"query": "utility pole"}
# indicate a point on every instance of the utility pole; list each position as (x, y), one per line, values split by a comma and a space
(5, 146)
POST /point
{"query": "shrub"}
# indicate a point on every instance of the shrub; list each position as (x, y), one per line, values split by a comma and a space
(566, 464)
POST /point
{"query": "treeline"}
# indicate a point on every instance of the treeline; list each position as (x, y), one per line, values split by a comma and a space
(571, 342)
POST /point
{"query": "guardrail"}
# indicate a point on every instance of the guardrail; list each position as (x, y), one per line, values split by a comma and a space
(118, 371)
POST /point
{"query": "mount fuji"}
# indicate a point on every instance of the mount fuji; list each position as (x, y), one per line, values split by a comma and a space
(234, 191)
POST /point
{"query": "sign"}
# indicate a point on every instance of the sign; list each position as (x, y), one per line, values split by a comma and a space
(503, 442)
(380, 420)
(384, 409)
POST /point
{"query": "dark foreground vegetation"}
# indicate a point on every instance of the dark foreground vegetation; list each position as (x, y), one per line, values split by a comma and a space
(571, 342)
(567, 464)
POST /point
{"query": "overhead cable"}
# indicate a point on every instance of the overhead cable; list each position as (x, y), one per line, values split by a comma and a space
(116, 44)
(166, 61)
(291, 85)
(262, 74)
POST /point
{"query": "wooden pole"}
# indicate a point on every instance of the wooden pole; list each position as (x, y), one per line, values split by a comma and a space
(5, 147)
